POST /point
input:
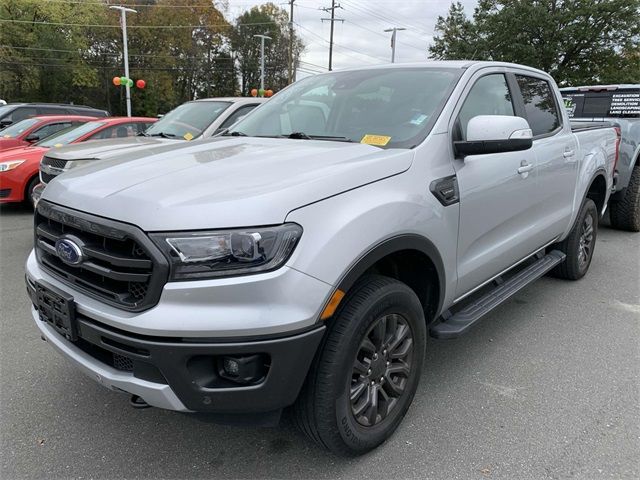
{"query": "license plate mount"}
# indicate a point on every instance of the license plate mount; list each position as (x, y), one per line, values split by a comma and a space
(58, 309)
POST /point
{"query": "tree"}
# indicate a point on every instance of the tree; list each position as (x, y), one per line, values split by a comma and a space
(576, 41)
(270, 20)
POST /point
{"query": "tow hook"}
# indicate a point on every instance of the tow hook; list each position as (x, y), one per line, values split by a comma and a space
(137, 402)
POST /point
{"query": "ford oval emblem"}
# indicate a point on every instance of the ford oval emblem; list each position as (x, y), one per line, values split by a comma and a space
(69, 251)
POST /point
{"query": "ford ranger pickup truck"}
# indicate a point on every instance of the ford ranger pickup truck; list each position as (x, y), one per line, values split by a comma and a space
(190, 121)
(620, 105)
(302, 258)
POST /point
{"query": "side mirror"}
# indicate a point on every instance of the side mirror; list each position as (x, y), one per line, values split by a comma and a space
(32, 137)
(495, 134)
(5, 123)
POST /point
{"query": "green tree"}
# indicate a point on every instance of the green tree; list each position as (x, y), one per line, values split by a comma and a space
(267, 19)
(576, 41)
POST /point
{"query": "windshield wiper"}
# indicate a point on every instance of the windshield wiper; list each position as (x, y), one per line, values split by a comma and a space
(235, 133)
(161, 134)
(142, 134)
(304, 136)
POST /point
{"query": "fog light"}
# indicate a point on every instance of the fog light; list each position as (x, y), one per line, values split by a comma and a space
(231, 367)
(245, 369)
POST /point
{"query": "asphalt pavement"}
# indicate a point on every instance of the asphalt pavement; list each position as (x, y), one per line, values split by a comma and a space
(548, 386)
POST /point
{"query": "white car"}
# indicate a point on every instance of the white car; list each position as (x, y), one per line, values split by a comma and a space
(190, 121)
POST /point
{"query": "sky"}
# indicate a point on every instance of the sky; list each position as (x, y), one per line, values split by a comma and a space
(360, 39)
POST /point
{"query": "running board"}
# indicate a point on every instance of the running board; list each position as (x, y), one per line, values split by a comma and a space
(460, 322)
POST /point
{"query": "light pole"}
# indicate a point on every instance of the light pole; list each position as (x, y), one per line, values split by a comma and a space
(262, 39)
(393, 41)
(123, 23)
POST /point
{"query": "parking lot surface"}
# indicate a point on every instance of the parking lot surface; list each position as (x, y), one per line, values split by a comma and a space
(548, 386)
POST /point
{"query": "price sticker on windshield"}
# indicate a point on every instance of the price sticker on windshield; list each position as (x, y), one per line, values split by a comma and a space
(187, 136)
(377, 140)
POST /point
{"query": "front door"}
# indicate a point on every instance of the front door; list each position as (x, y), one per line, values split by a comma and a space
(496, 204)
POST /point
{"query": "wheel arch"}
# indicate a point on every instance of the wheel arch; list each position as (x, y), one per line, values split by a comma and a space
(410, 258)
(597, 190)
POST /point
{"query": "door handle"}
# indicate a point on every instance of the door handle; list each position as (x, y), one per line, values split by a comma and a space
(568, 153)
(525, 167)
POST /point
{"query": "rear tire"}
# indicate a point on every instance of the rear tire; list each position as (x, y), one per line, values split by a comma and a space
(625, 214)
(580, 244)
(367, 370)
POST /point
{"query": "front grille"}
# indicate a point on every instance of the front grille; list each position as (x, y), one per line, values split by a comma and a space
(120, 265)
(120, 362)
(5, 192)
(46, 177)
(53, 162)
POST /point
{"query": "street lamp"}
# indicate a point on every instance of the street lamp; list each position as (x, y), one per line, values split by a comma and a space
(393, 41)
(262, 39)
(123, 23)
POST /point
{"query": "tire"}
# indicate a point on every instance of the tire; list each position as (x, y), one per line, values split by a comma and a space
(579, 244)
(28, 192)
(324, 410)
(625, 213)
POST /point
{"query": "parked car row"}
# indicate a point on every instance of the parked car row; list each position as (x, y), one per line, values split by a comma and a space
(301, 255)
(35, 137)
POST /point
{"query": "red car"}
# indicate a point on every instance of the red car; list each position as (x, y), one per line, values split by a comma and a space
(19, 166)
(31, 130)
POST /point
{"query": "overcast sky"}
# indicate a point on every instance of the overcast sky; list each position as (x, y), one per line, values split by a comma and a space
(360, 39)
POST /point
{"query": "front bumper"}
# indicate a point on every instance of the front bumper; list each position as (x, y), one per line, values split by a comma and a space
(13, 184)
(184, 374)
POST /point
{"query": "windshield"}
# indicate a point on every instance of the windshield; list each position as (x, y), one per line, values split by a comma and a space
(188, 121)
(4, 109)
(70, 135)
(12, 131)
(390, 107)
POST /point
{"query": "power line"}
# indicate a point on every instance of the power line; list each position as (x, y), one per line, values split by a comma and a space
(339, 46)
(143, 55)
(131, 5)
(333, 20)
(60, 24)
(384, 19)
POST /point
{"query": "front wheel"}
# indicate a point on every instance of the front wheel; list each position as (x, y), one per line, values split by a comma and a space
(28, 193)
(367, 372)
(579, 245)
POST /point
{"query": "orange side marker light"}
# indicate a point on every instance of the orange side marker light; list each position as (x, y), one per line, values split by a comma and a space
(331, 307)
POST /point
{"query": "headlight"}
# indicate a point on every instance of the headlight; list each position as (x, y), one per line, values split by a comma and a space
(76, 163)
(224, 253)
(10, 165)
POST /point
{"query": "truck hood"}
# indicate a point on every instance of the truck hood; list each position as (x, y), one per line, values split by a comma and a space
(222, 182)
(101, 149)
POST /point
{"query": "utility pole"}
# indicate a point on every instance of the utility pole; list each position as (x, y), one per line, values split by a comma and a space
(262, 39)
(393, 41)
(332, 20)
(123, 24)
(291, 73)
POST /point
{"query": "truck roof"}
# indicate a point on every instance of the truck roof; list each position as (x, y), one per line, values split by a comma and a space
(461, 64)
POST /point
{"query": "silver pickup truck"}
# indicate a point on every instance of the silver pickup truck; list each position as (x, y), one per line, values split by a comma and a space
(620, 105)
(303, 258)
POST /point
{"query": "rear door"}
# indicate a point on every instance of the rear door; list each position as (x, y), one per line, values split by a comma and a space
(495, 200)
(556, 153)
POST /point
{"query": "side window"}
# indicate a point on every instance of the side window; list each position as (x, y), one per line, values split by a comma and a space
(539, 105)
(237, 115)
(51, 111)
(489, 96)
(23, 112)
(50, 129)
(117, 131)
